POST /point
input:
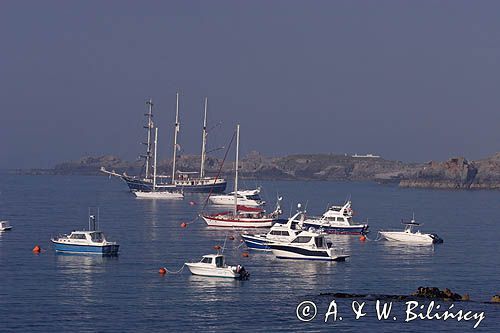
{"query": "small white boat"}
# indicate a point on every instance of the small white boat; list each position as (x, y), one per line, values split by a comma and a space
(89, 241)
(5, 226)
(408, 235)
(337, 220)
(308, 246)
(279, 233)
(158, 195)
(214, 265)
(249, 198)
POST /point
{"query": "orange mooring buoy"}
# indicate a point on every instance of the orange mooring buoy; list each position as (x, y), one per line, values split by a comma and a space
(245, 254)
(37, 249)
(362, 238)
(184, 224)
(217, 247)
(231, 237)
(162, 271)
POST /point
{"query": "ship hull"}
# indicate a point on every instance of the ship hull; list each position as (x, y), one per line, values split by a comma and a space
(135, 184)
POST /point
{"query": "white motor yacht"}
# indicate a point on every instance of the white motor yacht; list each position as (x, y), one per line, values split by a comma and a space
(408, 235)
(337, 220)
(214, 265)
(309, 246)
(250, 198)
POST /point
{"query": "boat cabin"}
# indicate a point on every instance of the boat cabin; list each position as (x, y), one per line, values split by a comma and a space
(5, 225)
(87, 236)
(216, 260)
(311, 240)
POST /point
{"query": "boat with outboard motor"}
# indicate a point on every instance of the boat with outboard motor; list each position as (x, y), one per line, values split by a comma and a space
(242, 216)
(249, 198)
(408, 235)
(308, 246)
(89, 241)
(5, 226)
(279, 233)
(337, 220)
(183, 181)
(214, 265)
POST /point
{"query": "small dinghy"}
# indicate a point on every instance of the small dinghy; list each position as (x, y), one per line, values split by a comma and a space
(214, 265)
(89, 241)
(408, 235)
(5, 226)
(308, 246)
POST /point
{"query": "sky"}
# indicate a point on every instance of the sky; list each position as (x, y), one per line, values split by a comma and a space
(407, 80)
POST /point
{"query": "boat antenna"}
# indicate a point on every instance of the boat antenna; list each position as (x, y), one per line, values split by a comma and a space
(236, 170)
(204, 141)
(176, 131)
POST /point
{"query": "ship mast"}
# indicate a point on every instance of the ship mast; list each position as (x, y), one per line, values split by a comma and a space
(176, 130)
(149, 126)
(154, 159)
(203, 142)
(236, 170)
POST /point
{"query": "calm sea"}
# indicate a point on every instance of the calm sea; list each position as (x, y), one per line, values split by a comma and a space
(74, 293)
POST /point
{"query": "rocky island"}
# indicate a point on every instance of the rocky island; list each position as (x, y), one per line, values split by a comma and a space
(455, 173)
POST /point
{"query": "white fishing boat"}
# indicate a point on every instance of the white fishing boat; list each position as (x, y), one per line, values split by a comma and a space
(5, 226)
(408, 235)
(242, 216)
(279, 233)
(249, 198)
(89, 241)
(337, 220)
(308, 246)
(214, 265)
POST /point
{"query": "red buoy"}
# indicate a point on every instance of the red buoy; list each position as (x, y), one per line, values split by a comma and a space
(231, 237)
(184, 224)
(217, 247)
(37, 249)
(245, 254)
(362, 238)
(162, 271)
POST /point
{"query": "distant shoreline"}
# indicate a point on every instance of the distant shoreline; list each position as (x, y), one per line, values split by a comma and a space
(455, 173)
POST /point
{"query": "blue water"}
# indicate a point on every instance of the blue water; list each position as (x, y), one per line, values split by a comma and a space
(49, 292)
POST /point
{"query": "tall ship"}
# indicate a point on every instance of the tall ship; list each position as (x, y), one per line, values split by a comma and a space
(179, 180)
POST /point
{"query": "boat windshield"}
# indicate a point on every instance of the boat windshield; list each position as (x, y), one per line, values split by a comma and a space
(219, 262)
(302, 239)
(96, 237)
(206, 260)
(77, 236)
(253, 197)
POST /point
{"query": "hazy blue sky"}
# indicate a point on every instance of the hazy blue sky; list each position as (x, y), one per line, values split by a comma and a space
(409, 80)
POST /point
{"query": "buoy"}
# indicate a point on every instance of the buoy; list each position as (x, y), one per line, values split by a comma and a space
(37, 249)
(184, 224)
(245, 254)
(217, 247)
(162, 271)
(192, 203)
(231, 237)
(362, 238)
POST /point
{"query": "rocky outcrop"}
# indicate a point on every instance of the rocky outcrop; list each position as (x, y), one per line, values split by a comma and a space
(454, 173)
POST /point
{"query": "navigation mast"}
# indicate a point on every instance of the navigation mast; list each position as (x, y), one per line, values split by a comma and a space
(203, 142)
(149, 126)
(176, 130)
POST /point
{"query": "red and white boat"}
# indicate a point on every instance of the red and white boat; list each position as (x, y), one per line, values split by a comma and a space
(242, 216)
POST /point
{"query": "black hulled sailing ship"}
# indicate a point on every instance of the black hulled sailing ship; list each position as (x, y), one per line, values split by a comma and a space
(179, 180)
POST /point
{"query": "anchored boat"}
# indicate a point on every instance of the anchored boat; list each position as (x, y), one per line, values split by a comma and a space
(5, 226)
(185, 181)
(408, 235)
(214, 265)
(249, 198)
(242, 216)
(89, 241)
(279, 233)
(337, 220)
(308, 246)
